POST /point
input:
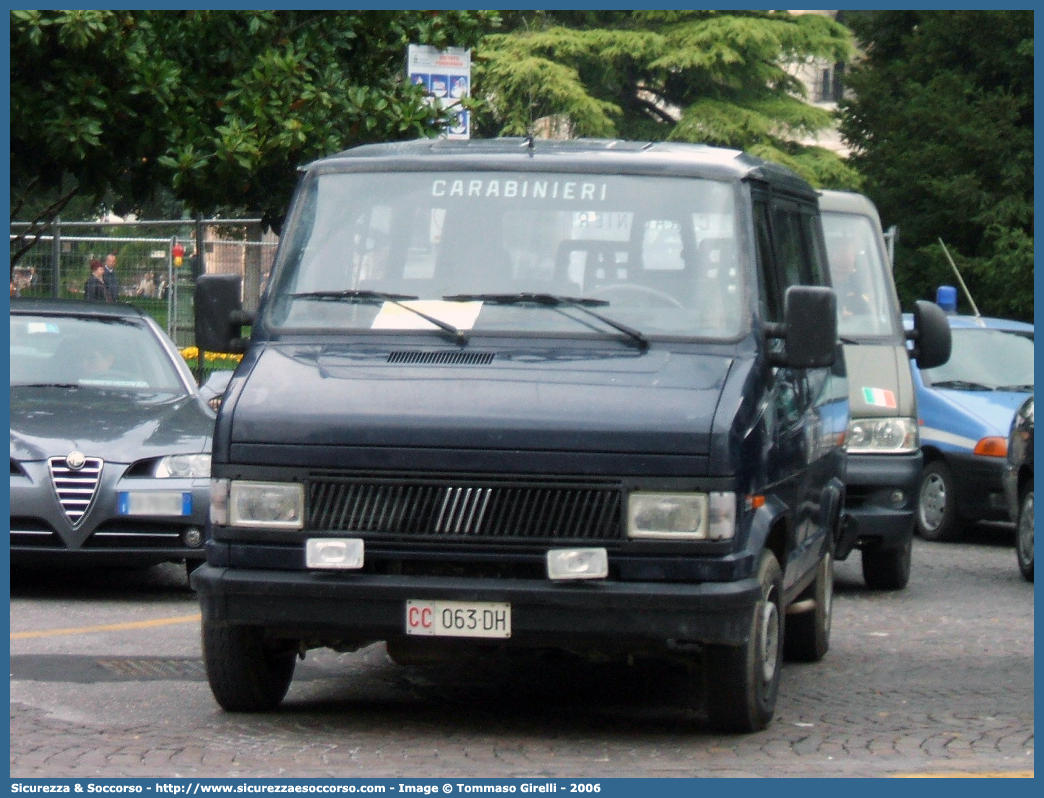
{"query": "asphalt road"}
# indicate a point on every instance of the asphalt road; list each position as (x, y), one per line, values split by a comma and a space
(106, 681)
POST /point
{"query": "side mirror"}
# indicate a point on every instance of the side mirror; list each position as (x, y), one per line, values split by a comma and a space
(930, 335)
(220, 317)
(213, 390)
(809, 329)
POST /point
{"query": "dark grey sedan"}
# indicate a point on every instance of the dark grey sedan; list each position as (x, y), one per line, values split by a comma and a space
(1018, 485)
(110, 439)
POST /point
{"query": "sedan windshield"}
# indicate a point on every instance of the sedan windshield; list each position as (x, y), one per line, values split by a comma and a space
(85, 352)
(983, 359)
(513, 252)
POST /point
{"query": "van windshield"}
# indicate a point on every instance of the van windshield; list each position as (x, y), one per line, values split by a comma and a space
(484, 251)
(861, 277)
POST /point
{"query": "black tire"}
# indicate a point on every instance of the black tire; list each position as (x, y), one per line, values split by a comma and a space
(936, 517)
(743, 681)
(807, 637)
(190, 566)
(1024, 535)
(888, 569)
(246, 672)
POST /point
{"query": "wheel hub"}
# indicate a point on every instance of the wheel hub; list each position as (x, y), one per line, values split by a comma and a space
(933, 502)
(768, 639)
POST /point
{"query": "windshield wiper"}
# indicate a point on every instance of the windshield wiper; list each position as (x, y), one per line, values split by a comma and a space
(381, 296)
(963, 385)
(583, 304)
(1021, 388)
(45, 385)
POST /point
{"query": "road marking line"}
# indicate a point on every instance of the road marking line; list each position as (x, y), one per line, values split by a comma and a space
(961, 774)
(112, 627)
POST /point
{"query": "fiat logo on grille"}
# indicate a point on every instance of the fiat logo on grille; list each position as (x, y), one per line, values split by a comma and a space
(75, 460)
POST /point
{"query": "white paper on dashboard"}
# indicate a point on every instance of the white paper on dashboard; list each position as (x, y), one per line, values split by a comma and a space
(461, 315)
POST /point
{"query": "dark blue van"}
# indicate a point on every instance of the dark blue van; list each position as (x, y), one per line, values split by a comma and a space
(577, 395)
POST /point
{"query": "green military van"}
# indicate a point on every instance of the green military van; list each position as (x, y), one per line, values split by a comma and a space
(884, 454)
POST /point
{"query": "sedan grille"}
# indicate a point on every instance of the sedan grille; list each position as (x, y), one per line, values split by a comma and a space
(479, 511)
(75, 488)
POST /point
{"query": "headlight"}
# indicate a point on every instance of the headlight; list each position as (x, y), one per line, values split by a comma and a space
(273, 505)
(183, 465)
(681, 516)
(881, 435)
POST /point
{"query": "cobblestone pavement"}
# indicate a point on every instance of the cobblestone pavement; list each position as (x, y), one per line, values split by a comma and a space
(934, 679)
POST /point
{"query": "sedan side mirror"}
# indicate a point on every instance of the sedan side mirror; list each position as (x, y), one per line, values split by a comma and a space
(213, 390)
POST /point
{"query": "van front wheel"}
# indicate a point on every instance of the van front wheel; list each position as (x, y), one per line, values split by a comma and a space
(808, 633)
(742, 682)
(888, 569)
(247, 673)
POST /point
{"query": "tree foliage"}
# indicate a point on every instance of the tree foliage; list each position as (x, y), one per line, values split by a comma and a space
(941, 125)
(221, 107)
(703, 76)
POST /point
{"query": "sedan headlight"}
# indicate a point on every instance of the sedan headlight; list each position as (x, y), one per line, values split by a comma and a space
(271, 505)
(183, 466)
(681, 516)
(882, 435)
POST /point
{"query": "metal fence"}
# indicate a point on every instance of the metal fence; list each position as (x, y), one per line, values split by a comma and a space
(157, 262)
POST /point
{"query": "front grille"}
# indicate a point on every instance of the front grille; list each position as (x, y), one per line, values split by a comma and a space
(32, 533)
(23, 538)
(478, 511)
(135, 534)
(75, 488)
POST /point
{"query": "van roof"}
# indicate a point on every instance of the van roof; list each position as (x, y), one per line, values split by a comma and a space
(575, 155)
(847, 202)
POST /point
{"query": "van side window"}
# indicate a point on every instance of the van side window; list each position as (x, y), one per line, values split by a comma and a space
(817, 260)
(797, 260)
(772, 295)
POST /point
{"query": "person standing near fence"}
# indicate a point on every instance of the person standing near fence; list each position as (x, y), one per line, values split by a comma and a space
(95, 290)
(112, 283)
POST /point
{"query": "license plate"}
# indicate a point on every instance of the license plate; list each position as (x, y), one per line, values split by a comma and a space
(458, 618)
(155, 502)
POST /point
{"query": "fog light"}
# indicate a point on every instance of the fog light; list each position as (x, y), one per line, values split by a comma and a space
(898, 498)
(577, 564)
(192, 537)
(336, 553)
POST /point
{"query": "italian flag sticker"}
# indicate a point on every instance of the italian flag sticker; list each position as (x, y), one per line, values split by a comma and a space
(879, 397)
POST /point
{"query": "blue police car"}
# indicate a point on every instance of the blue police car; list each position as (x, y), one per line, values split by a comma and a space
(964, 411)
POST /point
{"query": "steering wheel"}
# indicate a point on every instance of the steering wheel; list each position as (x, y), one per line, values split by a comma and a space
(653, 297)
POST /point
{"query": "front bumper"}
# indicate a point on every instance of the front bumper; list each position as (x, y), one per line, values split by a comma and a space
(979, 484)
(41, 532)
(330, 607)
(881, 497)
(1010, 482)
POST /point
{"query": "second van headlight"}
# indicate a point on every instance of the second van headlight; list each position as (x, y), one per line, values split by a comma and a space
(270, 505)
(681, 516)
(882, 435)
